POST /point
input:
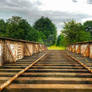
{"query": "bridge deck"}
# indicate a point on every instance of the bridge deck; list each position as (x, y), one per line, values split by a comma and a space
(55, 73)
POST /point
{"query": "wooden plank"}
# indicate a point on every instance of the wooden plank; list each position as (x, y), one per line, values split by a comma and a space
(56, 70)
(52, 78)
(51, 86)
(14, 64)
(9, 69)
(7, 73)
(45, 67)
(53, 64)
(57, 67)
(55, 73)
(4, 78)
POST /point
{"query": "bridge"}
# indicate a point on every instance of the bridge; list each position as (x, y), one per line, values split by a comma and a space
(29, 67)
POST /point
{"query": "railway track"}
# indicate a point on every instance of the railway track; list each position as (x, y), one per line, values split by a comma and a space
(56, 73)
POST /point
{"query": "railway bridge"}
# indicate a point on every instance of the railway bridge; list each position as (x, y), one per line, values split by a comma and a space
(29, 67)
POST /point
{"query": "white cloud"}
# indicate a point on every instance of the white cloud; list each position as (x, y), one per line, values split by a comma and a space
(67, 5)
(86, 19)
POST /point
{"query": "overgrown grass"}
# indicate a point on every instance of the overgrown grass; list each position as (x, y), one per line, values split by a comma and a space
(56, 48)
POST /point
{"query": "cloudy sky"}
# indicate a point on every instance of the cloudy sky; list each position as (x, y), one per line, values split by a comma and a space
(58, 11)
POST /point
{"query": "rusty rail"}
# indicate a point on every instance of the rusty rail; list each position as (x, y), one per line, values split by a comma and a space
(83, 48)
(12, 50)
(82, 64)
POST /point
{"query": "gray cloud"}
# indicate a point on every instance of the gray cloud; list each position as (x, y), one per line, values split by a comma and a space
(30, 11)
(89, 1)
(74, 1)
(18, 4)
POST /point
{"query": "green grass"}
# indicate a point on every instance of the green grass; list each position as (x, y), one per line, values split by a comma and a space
(56, 48)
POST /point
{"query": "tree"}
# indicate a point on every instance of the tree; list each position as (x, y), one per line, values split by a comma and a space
(61, 40)
(84, 36)
(34, 35)
(88, 26)
(75, 32)
(19, 28)
(48, 29)
(16, 26)
(2, 28)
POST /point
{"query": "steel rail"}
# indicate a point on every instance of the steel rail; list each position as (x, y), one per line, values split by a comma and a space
(79, 62)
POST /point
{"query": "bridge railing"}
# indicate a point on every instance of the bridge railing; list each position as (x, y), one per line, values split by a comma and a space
(83, 48)
(12, 50)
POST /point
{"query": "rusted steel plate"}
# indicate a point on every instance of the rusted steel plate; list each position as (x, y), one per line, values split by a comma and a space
(77, 48)
(1, 53)
(90, 52)
(12, 50)
(73, 48)
(28, 49)
(84, 49)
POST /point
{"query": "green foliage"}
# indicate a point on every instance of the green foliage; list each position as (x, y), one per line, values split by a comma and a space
(88, 26)
(34, 35)
(47, 29)
(2, 27)
(61, 40)
(75, 32)
(84, 36)
(18, 28)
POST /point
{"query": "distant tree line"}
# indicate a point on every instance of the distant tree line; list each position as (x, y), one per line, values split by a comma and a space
(75, 32)
(43, 30)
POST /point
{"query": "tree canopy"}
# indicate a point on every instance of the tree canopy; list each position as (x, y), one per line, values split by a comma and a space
(75, 32)
(47, 29)
(61, 40)
(2, 27)
(88, 26)
(18, 28)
